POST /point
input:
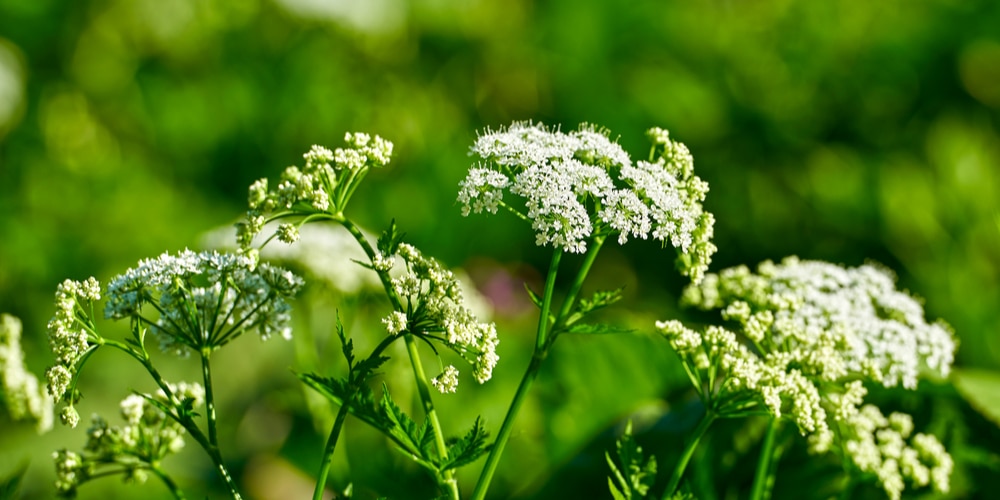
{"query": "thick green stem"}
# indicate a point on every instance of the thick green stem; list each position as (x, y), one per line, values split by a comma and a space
(689, 447)
(522, 390)
(763, 479)
(331, 445)
(206, 372)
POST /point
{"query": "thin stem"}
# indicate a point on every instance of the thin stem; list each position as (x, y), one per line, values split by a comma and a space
(486, 476)
(206, 372)
(689, 447)
(574, 289)
(168, 482)
(764, 477)
(411, 348)
(331, 445)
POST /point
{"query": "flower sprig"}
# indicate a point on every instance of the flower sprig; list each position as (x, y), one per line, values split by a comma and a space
(136, 448)
(581, 184)
(20, 393)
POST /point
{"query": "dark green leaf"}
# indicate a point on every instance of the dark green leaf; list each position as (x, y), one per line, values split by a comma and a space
(389, 242)
(599, 300)
(359, 399)
(347, 345)
(410, 436)
(468, 448)
(634, 473)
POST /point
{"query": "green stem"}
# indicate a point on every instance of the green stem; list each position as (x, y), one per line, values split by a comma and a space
(689, 447)
(574, 289)
(331, 445)
(206, 372)
(486, 476)
(170, 484)
(764, 477)
(411, 349)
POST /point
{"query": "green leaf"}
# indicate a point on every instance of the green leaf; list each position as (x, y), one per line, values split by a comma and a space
(359, 399)
(599, 300)
(347, 345)
(535, 299)
(416, 440)
(596, 329)
(12, 483)
(468, 448)
(636, 473)
(981, 388)
(389, 242)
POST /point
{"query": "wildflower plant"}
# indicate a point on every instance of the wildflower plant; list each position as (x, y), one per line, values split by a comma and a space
(799, 341)
(21, 396)
(806, 338)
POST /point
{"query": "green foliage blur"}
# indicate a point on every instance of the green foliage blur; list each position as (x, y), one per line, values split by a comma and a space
(835, 130)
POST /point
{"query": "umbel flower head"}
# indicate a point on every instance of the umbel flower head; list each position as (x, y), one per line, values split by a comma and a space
(324, 184)
(204, 300)
(809, 335)
(20, 393)
(841, 322)
(71, 331)
(581, 184)
(436, 309)
(148, 436)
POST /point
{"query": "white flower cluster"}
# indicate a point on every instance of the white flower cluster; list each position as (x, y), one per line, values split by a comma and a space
(20, 393)
(813, 333)
(324, 184)
(839, 322)
(886, 447)
(205, 299)
(148, 436)
(581, 184)
(434, 302)
(447, 381)
(69, 331)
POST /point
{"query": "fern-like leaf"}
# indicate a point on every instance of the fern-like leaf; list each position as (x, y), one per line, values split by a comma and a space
(468, 448)
(633, 474)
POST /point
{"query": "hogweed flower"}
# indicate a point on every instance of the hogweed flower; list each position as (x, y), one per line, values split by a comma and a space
(810, 335)
(204, 300)
(20, 393)
(436, 307)
(581, 184)
(148, 436)
(324, 184)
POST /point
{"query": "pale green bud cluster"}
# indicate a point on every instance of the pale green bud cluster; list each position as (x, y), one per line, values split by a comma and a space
(20, 393)
(581, 184)
(204, 299)
(436, 307)
(324, 184)
(148, 436)
(887, 448)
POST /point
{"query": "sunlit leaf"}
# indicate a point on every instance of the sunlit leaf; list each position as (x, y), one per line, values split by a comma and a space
(981, 388)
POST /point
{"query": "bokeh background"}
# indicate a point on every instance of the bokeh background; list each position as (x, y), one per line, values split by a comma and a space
(838, 130)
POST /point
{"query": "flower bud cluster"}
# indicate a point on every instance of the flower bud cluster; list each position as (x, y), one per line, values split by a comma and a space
(581, 184)
(324, 184)
(435, 304)
(20, 393)
(148, 436)
(70, 331)
(204, 299)
(887, 448)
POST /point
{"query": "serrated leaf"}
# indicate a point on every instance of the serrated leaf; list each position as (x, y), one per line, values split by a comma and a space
(366, 368)
(981, 388)
(347, 345)
(636, 473)
(359, 399)
(410, 436)
(599, 300)
(596, 329)
(468, 448)
(535, 299)
(389, 242)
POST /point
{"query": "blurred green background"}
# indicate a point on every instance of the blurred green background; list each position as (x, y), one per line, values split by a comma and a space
(836, 130)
